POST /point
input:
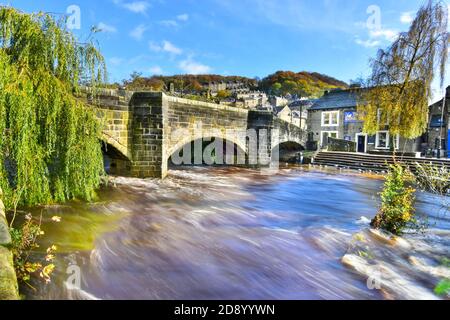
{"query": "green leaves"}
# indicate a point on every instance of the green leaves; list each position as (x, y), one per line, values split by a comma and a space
(49, 146)
(443, 288)
(397, 202)
(303, 83)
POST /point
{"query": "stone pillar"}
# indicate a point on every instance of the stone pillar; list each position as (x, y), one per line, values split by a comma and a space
(8, 280)
(147, 147)
(262, 122)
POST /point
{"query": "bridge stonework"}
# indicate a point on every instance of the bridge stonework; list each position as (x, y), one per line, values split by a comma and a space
(141, 130)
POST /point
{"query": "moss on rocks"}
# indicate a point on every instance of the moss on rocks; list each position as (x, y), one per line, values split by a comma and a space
(8, 282)
(5, 237)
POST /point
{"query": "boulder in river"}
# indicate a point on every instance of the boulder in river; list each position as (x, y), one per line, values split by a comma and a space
(394, 265)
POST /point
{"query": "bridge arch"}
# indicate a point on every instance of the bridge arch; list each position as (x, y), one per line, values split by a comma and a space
(289, 145)
(217, 150)
(287, 150)
(108, 140)
(116, 159)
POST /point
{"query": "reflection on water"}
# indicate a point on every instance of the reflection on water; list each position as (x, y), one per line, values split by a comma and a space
(215, 233)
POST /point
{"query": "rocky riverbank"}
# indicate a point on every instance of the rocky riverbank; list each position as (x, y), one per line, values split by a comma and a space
(413, 267)
(8, 280)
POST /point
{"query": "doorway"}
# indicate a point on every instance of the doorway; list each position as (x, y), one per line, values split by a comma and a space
(361, 142)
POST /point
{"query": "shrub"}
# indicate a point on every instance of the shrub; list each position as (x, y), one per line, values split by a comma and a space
(397, 202)
(24, 241)
(433, 178)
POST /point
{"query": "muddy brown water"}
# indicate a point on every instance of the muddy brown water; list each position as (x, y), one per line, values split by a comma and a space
(215, 233)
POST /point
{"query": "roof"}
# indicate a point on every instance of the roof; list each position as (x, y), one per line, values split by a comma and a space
(279, 108)
(439, 102)
(301, 105)
(338, 99)
(296, 114)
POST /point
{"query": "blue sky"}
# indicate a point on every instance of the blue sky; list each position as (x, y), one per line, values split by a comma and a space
(237, 37)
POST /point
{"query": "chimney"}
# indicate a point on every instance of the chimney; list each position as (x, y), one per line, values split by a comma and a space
(447, 92)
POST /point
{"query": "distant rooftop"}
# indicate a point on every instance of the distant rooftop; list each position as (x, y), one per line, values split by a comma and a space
(338, 98)
(300, 105)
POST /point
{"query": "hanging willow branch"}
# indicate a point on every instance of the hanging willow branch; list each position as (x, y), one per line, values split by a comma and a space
(400, 84)
(49, 149)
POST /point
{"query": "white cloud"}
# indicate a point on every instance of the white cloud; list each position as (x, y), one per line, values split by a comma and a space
(169, 47)
(134, 6)
(183, 17)
(115, 61)
(387, 34)
(106, 28)
(165, 46)
(156, 70)
(376, 36)
(138, 32)
(169, 23)
(154, 46)
(193, 67)
(367, 43)
(407, 17)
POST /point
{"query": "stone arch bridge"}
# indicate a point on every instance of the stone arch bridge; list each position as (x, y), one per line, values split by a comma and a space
(142, 130)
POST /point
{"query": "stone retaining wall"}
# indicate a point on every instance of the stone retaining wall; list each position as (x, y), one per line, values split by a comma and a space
(341, 145)
(8, 281)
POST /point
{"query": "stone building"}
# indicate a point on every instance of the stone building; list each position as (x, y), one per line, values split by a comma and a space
(296, 113)
(234, 87)
(278, 101)
(215, 87)
(334, 115)
(438, 128)
(252, 100)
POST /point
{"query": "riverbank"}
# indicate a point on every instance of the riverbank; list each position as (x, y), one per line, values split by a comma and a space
(8, 280)
(411, 267)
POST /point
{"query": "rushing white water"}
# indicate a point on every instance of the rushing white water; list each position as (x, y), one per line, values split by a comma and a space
(224, 233)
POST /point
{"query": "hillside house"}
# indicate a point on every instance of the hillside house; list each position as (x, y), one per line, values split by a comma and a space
(295, 113)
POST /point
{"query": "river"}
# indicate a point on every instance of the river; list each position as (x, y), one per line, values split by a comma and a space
(216, 233)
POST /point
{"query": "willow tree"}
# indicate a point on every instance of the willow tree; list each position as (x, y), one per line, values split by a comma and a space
(49, 149)
(399, 88)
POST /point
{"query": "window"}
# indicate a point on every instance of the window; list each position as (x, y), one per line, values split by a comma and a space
(436, 121)
(382, 140)
(324, 135)
(330, 118)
